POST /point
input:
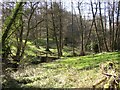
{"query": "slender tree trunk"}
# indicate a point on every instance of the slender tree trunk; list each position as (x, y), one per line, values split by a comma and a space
(61, 30)
(82, 53)
(118, 36)
(96, 29)
(113, 28)
(73, 49)
(47, 33)
(54, 29)
(105, 25)
(103, 30)
(117, 27)
(89, 34)
(110, 27)
(19, 47)
(28, 29)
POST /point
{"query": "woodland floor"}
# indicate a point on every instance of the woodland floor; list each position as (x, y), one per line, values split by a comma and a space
(67, 72)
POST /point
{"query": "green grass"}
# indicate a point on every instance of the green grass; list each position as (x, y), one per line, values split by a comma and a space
(90, 60)
(32, 50)
(73, 72)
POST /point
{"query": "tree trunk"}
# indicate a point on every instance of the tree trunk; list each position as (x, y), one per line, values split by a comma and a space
(61, 30)
(117, 27)
(103, 30)
(19, 46)
(113, 28)
(54, 29)
(73, 48)
(10, 24)
(28, 28)
(5, 47)
(82, 53)
(96, 29)
(110, 28)
(46, 22)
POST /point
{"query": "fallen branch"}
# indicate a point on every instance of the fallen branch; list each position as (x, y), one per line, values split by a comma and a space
(112, 78)
(107, 74)
(99, 82)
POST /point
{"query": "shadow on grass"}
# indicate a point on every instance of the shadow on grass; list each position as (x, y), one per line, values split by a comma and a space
(9, 82)
(41, 59)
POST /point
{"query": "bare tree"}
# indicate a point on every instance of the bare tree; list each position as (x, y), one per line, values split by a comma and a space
(110, 26)
(47, 33)
(82, 53)
(73, 49)
(21, 46)
(5, 47)
(103, 30)
(33, 8)
(60, 30)
(96, 29)
(54, 29)
(117, 35)
(113, 26)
